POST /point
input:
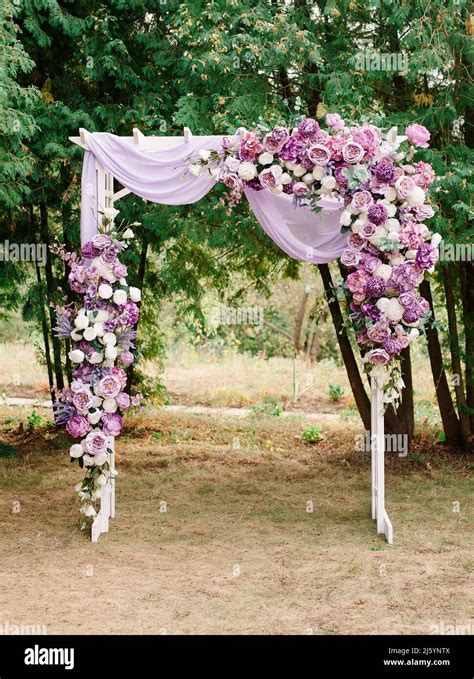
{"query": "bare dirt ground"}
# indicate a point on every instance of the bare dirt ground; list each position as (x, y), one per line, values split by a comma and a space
(213, 533)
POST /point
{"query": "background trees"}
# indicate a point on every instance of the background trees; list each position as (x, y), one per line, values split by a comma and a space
(214, 66)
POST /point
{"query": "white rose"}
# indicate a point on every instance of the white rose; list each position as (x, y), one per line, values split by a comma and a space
(90, 333)
(105, 291)
(319, 173)
(384, 271)
(76, 450)
(135, 294)
(390, 194)
(394, 236)
(247, 171)
(120, 297)
(265, 158)
(413, 334)
(110, 352)
(410, 254)
(299, 171)
(394, 310)
(110, 213)
(81, 322)
(328, 182)
(100, 459)
(76, 356)
(204, 154)
(285, 179)
(290, 165)
(76, 335)
(88, 460)
(417, 196)
(99, 329)
(436, 240)
(109, 405)
(345, 218)
(95, 358)
(277, 170)
(101, 315)
(127, 234)
(109, 338)
(96, 401)
(382, 304)
(94, 417)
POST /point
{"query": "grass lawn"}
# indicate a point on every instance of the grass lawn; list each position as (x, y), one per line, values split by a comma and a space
(213, 532)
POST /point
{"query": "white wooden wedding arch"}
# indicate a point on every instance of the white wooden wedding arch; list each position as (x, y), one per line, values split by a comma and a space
(107, 198)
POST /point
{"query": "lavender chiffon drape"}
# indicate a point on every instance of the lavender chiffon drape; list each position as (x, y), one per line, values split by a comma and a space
(163, 177)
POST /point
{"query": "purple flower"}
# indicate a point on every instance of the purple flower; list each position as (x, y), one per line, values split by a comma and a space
(371, 263)
(109, 386)
(254, 184)
(355, 242)
(370, 310)
(392, 346)
(77, 426)
(308, 128)
(339, 177)
(350, 257)
(88, 251)
(408, 299)
(405, 277)
(377, 214)
(122, 400)
(376, 286)
(422, 212)
(418, 135)
(126, 357)
(362, 200)
(334, 121)
(101, 241)
(352, 152)
(411, 315)
(112, 424)
(82, 400)
(96, 442)
(379, 332)
(270, 179)
(368, 230)
(384, 171)
(275, 140)
(250, 147)
(426, 256)
(291, 150)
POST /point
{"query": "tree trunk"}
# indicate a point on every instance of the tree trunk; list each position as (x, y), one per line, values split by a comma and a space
(406, 409)
(352, 369)
(445, 401)
(467, 296)
(58, 370)
(464, 424)
(299, 320)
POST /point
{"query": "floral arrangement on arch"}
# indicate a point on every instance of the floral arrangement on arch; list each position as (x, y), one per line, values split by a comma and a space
(102, 332)
(385, 206)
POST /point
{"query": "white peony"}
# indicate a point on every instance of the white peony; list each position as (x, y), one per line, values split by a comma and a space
(76, 450)
(382, 304)
(390, 194)
(328, 183)
(100, 459)
(285, 179)
(101, 315)
(81, 322)
(120, 297)
(99, 329)
(76, 335)
(410, 254)
(127, 234)
(417, 196)
(109, 405)
(319, 172)
(94, 417)
(204, 154)
(392, 224)
(105, 291)
(95, 358)
(109, 338)
(88, 460)
(391, 207)
(290, 165)
(413, 334)
(110, 352)
(90, 333)
(135, 294)
(345, 218)
(299, 171)
(308, 178)
(76, 356)
(393, 236)
(394, 310)
(384, 271)
(247, 171)
(265, 158)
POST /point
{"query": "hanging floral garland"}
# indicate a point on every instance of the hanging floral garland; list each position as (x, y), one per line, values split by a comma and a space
(384, 191)
(102, 332)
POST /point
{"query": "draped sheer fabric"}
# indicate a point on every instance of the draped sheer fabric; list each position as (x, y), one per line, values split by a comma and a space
(163, 177)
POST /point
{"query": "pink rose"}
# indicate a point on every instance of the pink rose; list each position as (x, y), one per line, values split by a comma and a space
(356, 282)
(82, 400)
(121, 375)
(270, 179)
(96, 442)
(350, 257)
(404, 186)
(120, 270)
(109, 386)
(378, 357)
(418, 135)
(300, 189)
(352, 152)
(368, 230)
(362, 200)
(112, 424)
(319, 155)
(101, 241)
(250, 147)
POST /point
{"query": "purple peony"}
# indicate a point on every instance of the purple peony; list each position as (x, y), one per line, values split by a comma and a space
(126, 357)
(96, 442)
(411, 315)
(350, 257)
(275, 140)
(384, 171)
(308, 128)
(426, 256)
(405, 277)
(379, 332)
(111, 424)
(392, 346)
(376, 286)
(109, 386)
(377, 214)
(370, 310)
(319, 154)
(291, 150)
(378, 357)
(122, 400)
(77, 426)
